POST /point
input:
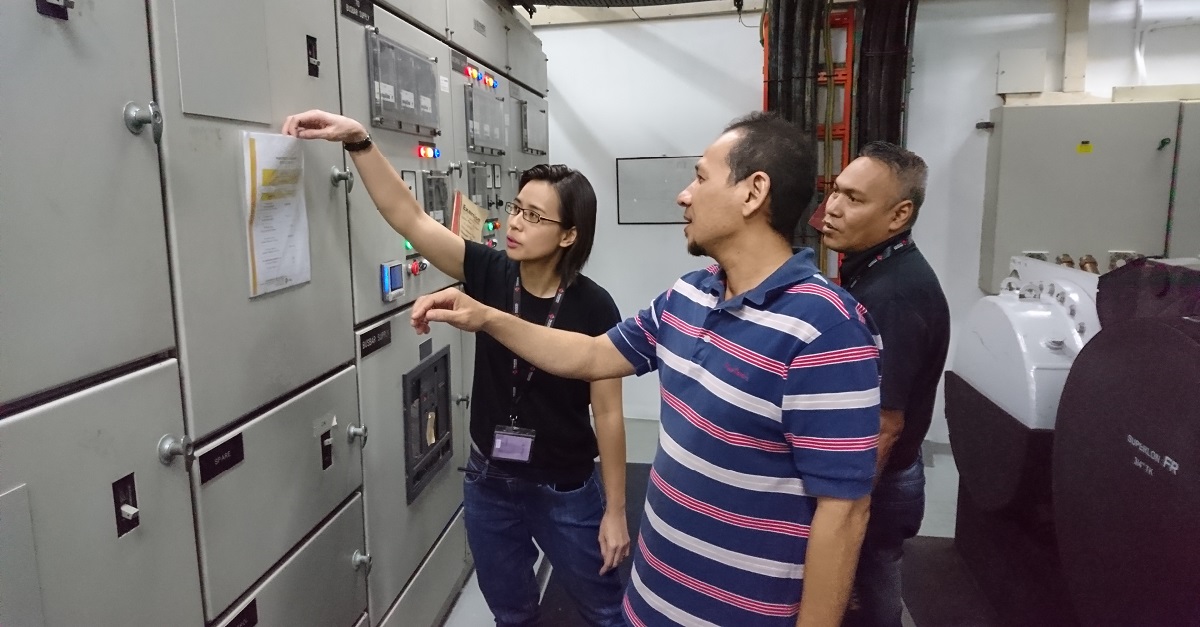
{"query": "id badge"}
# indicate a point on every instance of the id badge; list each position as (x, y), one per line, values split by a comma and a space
(512, 443)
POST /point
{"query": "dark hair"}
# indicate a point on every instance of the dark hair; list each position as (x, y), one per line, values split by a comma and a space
(910, 170)
(770, 144)
(578, 202)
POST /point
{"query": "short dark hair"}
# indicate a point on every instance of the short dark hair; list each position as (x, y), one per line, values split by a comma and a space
(578, 202)
(786, 154)
(910, 170)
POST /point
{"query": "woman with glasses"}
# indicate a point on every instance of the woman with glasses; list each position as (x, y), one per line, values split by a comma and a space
(531, 476)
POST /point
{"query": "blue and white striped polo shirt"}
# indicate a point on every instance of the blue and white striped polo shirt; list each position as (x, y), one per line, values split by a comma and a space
(769, 400)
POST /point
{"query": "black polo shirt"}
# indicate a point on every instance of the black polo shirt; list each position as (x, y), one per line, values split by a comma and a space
(902, 293)
(565, 448)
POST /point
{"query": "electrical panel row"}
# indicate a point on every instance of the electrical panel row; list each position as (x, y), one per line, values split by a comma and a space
(495, 34)
(205, 323)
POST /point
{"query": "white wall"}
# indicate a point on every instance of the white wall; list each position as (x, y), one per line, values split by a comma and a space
(1172, 56)
(642, 89)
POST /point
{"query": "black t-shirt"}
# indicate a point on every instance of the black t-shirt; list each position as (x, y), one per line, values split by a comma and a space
(905, 299)
(556, 408)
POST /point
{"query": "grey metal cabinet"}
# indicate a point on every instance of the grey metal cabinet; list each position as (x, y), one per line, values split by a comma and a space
(238, 352)
(84, 285)
(1076, 179)
(94, 528)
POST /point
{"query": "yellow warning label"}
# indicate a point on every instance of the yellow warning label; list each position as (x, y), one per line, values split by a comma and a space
(1084, 148)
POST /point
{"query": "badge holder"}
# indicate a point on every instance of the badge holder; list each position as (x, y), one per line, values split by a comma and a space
(513, 443)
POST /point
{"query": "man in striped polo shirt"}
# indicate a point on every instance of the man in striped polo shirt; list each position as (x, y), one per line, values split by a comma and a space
(759, 493)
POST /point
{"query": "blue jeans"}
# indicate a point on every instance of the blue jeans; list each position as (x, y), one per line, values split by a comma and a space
(505, 515)
(897, 507)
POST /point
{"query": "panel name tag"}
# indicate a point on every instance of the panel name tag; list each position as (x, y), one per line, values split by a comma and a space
(222, 458)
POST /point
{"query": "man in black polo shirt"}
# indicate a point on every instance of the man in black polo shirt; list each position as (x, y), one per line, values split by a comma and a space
(869, 216)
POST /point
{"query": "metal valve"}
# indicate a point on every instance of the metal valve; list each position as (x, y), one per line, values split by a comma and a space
(354, 432)
(136, 118)
(338, 175)
(361, 561)
(169, 448)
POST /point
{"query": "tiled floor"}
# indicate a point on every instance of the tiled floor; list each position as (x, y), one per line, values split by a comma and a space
(941, 490)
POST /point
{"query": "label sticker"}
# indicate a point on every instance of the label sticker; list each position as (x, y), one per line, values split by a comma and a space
(408, 99)
(386, 92)
(1084, 148)
(446, 84)
(426, 104)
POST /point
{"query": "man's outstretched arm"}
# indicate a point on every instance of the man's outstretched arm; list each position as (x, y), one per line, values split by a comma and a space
(558, 352)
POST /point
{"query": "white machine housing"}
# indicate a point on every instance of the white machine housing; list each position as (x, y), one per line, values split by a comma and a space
(1018, 346)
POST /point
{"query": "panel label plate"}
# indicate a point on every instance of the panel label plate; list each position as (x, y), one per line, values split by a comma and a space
(361, 11)
(376, 339)
(222, 458)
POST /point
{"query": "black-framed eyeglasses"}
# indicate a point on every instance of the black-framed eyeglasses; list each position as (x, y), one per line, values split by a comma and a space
(530, 215)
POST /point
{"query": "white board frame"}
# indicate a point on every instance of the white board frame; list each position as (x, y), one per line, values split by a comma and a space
(647, 187)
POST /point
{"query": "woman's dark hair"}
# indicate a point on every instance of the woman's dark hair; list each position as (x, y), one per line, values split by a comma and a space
(578, 202)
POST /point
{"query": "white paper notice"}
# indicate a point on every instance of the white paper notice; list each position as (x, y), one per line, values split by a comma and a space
(276, 216)
(385, 92)
(446, 84)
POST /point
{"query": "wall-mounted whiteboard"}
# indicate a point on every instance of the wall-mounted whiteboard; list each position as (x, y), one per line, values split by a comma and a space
(647, 187)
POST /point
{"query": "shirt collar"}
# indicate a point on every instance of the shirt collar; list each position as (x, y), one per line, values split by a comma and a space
(797, 268)
(853, 264)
